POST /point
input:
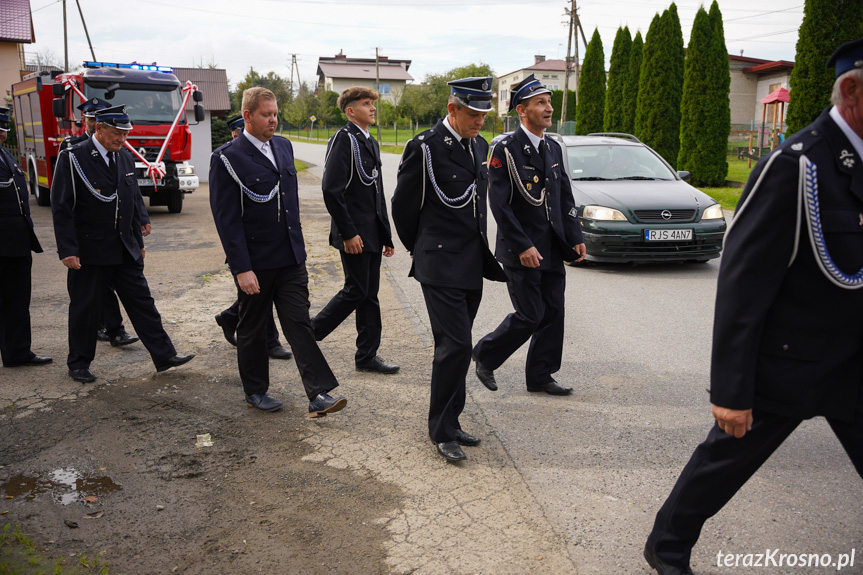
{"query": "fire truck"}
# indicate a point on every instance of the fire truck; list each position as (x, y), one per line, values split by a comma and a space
(46, 113)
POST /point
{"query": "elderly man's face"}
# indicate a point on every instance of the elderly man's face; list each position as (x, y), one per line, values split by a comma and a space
(90, 124)
(852, 97)
(110, 137)
(466, 122)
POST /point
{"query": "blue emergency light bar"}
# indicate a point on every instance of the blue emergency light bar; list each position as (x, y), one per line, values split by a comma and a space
(133, 66)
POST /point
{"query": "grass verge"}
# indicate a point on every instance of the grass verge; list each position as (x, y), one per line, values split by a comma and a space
(19, 556)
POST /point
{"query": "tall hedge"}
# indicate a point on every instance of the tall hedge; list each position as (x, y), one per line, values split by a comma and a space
(591, 89)
(705, 110)
(615, 104)
(557, 104)
(657, 121)
(827, 24)
(630, 88)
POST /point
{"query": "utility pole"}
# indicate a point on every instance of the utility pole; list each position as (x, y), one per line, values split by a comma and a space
(294, 66)
(65, 39)
(568, 63)
(92, 53)
(378, 87)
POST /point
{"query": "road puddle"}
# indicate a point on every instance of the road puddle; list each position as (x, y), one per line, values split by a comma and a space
(66, 485)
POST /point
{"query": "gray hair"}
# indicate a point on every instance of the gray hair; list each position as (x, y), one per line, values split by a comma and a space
(836, 96)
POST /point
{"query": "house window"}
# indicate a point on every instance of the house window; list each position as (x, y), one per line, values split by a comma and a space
(553, 86)
(554, 76)
(504, 95)
(383, 89)
(545, 76)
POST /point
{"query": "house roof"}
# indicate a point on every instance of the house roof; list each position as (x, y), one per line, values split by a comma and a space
(213, 82)
(387, 71)
(15, 22)
(769, 67)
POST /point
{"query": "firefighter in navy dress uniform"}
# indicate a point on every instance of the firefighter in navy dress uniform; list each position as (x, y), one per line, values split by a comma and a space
(110, 327)
(17, 240)
(439, 210)
(353, 189)
(255, 204)
(788, 328)
(229, 318)
(537, 229)
(95, 202)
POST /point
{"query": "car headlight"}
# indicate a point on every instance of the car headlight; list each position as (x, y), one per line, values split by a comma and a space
(714, 212)
(603, 213)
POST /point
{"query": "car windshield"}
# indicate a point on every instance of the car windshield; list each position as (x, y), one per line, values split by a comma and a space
(144, 106)
(597, 163)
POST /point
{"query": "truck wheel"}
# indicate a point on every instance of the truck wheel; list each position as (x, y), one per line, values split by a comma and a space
(175, 202)
(43, 195)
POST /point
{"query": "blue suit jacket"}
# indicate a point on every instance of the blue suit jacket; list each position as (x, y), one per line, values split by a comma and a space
(84, 225)
(17, 238)
(521, 225)
(256, 235)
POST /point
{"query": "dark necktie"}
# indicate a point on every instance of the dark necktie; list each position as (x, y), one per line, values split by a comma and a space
(542, 151)
(112, 167)
(465, 142)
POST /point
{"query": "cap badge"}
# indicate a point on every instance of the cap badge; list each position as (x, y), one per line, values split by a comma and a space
(447, 140)
(847, 158)
(485, 83)
(797, 147)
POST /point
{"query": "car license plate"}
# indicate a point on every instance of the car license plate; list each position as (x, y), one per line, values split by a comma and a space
(667, 235)
(148, 182)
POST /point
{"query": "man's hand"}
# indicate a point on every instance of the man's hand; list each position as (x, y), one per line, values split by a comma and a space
(143, 253)
(248, 282)
(530, 257)
(734, 422)
(388, 251)
(581, 250)
(354, 245)
(72, 262)
(145, 229)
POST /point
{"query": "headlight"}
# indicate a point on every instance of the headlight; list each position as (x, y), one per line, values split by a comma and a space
(602, 213)
(185, 170)
(714, 212)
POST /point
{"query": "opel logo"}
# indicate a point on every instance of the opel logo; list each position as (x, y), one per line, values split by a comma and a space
(666, 215)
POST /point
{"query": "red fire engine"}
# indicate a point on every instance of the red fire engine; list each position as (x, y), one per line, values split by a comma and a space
(46, 113)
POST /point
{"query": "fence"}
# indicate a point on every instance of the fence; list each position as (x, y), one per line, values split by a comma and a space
(394, 134)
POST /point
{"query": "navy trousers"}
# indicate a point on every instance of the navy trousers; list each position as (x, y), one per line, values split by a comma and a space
(15, 309)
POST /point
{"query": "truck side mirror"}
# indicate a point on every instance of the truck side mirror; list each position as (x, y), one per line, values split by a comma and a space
(58, 89)
(198, 96)
(57, 107)
(199, 112)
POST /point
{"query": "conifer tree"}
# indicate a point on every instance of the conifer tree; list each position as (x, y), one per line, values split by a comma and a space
(591, 89)
(827, 24)
(614, 120)
(630, 88)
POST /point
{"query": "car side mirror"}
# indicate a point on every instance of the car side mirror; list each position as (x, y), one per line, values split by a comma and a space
(684, 175)
(58, 89)
(57, 107)
(199, 112)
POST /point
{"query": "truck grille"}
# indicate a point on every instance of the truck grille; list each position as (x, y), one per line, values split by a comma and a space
(152, 152)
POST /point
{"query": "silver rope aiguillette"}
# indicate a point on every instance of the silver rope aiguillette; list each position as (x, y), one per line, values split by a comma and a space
(366, 179)
(104, 199)
(259, 198)
(455, 203)
(816, 232)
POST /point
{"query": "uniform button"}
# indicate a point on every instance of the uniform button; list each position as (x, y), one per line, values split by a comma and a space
(440, 246)
(290, 228)
(785, 347)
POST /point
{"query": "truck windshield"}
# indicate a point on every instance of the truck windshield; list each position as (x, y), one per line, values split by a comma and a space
(145, 107)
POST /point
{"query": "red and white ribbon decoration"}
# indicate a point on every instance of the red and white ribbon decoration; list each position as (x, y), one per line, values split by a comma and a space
(155, 170)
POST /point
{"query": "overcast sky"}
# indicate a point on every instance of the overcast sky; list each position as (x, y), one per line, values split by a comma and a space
(436, 35)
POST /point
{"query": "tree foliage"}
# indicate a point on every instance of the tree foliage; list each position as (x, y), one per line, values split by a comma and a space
(630, 88)
(827, 24)
(615, 103)
(219, 132)
(438, 91)
(557, 104)
(657, 120)
(591, 89)
(281, 87)
(705, 110)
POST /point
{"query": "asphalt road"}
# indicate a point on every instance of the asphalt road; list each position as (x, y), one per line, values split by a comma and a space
(600, 462)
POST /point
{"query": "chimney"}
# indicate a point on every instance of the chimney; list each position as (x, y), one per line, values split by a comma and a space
(538, 58)
(341, 55)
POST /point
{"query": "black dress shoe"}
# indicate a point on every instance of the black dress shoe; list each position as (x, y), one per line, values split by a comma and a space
(450, 450)
(324, 404)
(378, 365)
(263, 402)
(33, 360)
(122, 339)
(84, 375)
(463, 438)
(280, 352)
(227, 329)
(486, 376)
(175, 361)
(102, 335)
(551, 388)
(663, 568)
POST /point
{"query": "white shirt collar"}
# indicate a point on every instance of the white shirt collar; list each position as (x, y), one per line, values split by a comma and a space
(365, 132)
(102, 150)
(852, 136)
(256, 142)
(534, 139)
(451, 130)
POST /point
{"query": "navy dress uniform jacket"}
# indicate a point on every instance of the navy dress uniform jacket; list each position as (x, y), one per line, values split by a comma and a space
(553, 228)
(84, 226)
(17, 238)
(787, 339)
(449, 245)
(356, 209)
(255, 235)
